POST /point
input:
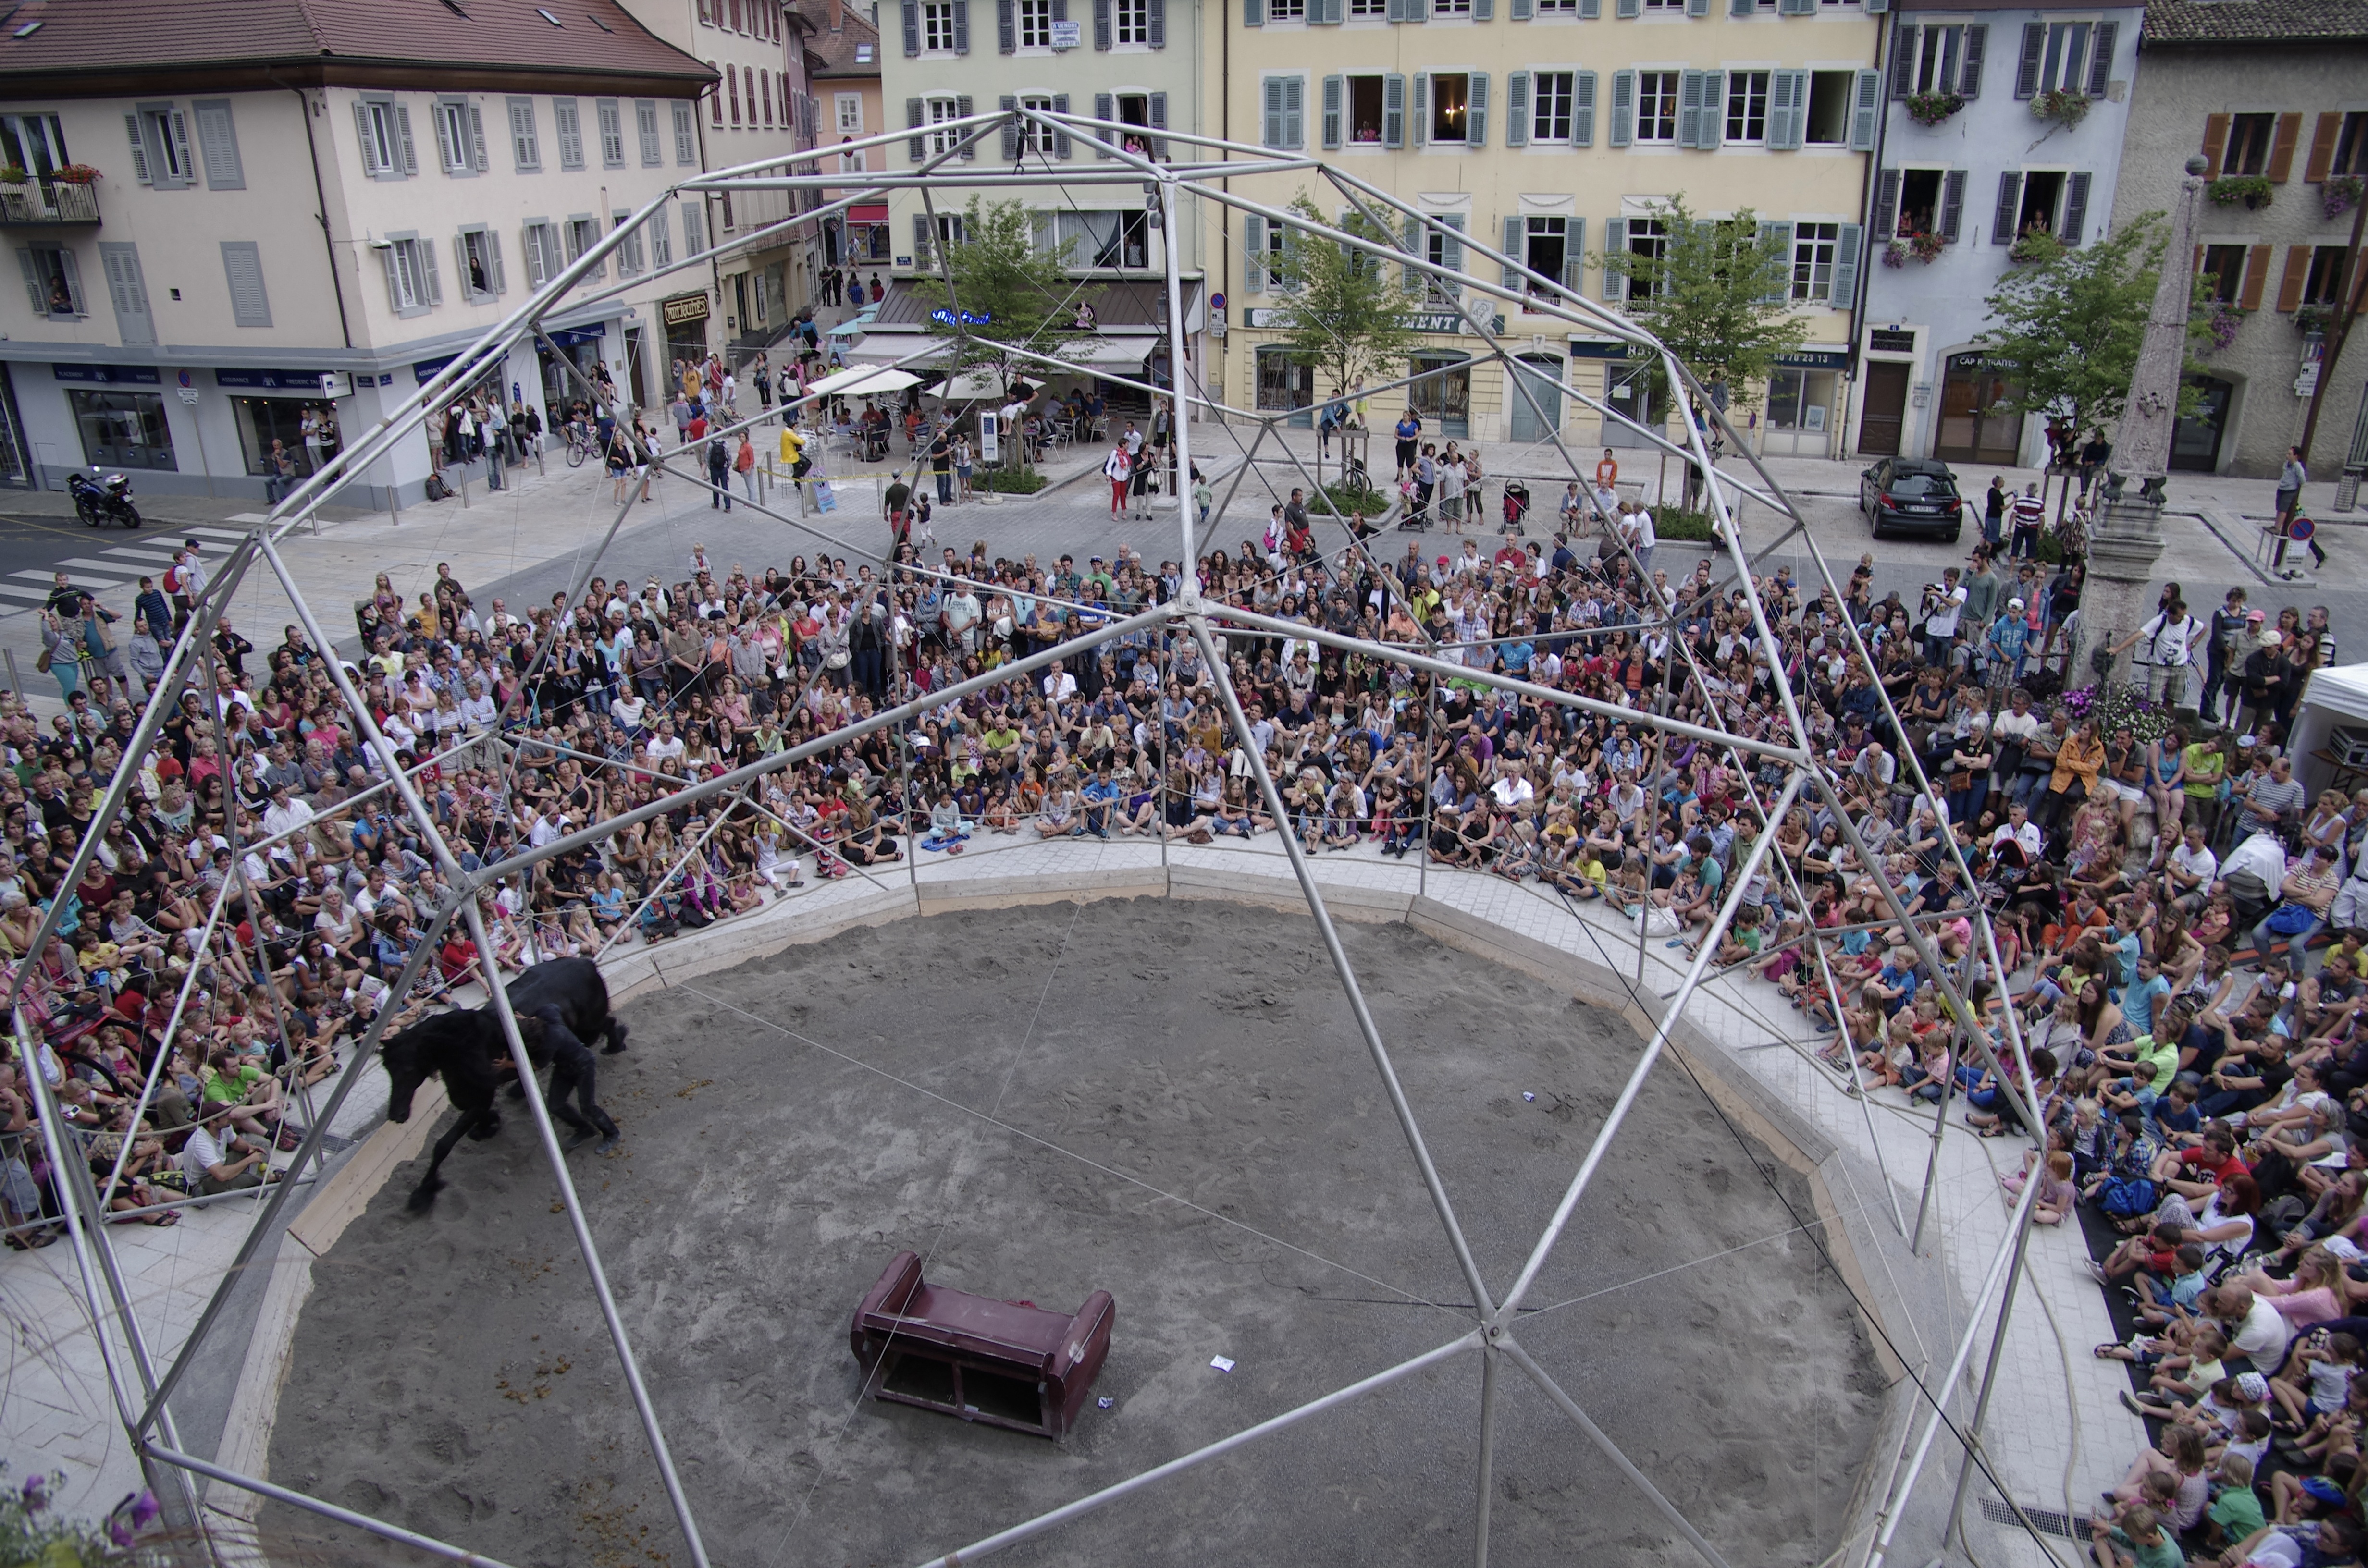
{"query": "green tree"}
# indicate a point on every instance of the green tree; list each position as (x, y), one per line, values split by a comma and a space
(2068, 323)
(1343, 312)
(1718, 292)
(1009, 294)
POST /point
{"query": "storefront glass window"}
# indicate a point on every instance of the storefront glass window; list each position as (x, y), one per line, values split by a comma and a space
(1444, 400)
(263, 420)
(122, 429)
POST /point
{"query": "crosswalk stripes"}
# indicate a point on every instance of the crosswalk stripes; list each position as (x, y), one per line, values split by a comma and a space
(30, 595)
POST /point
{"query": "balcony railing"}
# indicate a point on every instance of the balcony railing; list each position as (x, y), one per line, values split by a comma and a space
(56, 203)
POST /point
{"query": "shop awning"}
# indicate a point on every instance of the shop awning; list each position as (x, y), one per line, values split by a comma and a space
(868, 212)
(1122, 355)
(887, 347)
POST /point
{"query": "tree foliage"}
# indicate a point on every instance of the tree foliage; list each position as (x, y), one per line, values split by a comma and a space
(2066, 326)
(1009, 295)
(1719, 294)
(1345, 312)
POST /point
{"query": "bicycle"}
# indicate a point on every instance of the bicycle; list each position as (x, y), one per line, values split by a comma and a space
(579, 445)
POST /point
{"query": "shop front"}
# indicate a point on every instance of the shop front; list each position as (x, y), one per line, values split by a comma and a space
(118, 413)
(296, 408)
(581, 348)
(2196, 440)
(684, 316)
(1803, 396)
(865, 241)
(1976, 426)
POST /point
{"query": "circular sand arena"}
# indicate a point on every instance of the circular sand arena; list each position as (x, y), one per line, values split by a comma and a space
(1165, 1099)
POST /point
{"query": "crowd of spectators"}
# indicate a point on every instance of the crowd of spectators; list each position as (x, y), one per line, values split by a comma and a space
(2157, 883)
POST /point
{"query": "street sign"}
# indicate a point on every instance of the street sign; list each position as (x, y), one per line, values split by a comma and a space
(188, 395)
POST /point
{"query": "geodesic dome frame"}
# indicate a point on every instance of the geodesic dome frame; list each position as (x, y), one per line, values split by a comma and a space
(141, 1390)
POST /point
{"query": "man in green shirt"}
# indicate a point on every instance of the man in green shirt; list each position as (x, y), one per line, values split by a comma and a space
(2138, 1542)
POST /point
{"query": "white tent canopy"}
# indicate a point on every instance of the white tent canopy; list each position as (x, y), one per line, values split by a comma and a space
(2335, 698)
(865, 381)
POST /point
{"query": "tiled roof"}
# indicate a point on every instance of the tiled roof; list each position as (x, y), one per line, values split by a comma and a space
(2177, 22)
(314, 40)
(833, 53)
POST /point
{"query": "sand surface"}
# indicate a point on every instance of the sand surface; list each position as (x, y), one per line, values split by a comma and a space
(1167, 1100)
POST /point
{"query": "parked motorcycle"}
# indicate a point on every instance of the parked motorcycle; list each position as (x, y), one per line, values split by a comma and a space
(100, 502)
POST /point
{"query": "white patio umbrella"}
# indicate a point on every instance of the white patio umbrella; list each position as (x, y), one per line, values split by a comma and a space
(865, 379)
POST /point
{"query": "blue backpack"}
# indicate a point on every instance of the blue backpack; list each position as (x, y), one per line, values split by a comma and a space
(2126, 1197)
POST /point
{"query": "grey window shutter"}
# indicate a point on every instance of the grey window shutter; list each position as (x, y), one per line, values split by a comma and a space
(1007, 103)
(2009, 198)
(1105, 107)
(218, 146)
(1102, 25)
(243, 265)
(1270, 115)
(1582, 108)
(1418, 111)
(1591, 10)
(1060, 137)
(1952, 205)
(1866, 112)
(1450, 252)
(1782, 234)
(426, 253)
(477, 139)
(1623, 108)
(1689, 109)
(1514, 258)
(1697, 7)
(402, 134)
(393, 287)
(1886, 204)
(154, 131)
(921, 238)
(140, 147)
(1154, 17)
(1784, 109)
(1615, 241)
(1393, 90)
(1629, 9)
(970, 141)
(1797, 9)
(1332, 90)
(1484, 10)
(1412, 232)
(962, 27)
(1475, 111)
(446, 154)
(1903, 61)
(1878, 7)
(1253, 13)
(912, 28)
(1517, 108)
(1969, 65)
(1574, 253)
(2075, 209)
(1713, 116)
(1393, 10)
(1741, 8)
(1158, 106)
(2101, 59)
(1253, 254)
(1294, 111)
(1006, 26)
(916, 147)
(2035, 45)
(36, 289)
(1845, 249)
(1522, 11)
(494, 254)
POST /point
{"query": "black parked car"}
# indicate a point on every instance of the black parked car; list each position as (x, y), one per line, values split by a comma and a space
(1911, 496)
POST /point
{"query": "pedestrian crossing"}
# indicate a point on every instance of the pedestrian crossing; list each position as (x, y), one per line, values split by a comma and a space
(117, 569)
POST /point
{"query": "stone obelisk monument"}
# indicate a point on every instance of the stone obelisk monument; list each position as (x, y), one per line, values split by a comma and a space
(2127, 535)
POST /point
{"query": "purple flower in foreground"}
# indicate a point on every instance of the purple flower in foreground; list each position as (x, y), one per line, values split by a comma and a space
(131, 1515)
(36, 1494)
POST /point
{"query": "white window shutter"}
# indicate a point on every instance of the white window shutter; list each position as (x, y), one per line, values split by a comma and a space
(427, 263)
(1689, 109)
(963, 110)
(393, 281)
(493, 260)
(1846, 250)
(1393, 87)
(140, 149)
(402, 134)
(181, 147)
(1623, 108)
(1615, 241)
(1418, 113)
(218, 146)
(447, 156)
(1713, 116)
(1271, 131)
(1866, 112)
(1333, 87)
(1294, 111)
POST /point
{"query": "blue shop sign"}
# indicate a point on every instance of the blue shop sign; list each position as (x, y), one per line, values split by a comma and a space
(280, 381)
(108, 375)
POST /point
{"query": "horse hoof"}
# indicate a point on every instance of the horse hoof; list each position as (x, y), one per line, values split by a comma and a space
(617, 1032)
(517, 1090)
(485, 1130)
(423, 1199)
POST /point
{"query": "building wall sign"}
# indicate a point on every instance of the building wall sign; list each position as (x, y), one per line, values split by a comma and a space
(108, 375)
(1278, 318)
(683, 309)
(314, 383)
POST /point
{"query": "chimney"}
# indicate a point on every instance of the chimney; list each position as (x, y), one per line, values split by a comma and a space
(837, 16)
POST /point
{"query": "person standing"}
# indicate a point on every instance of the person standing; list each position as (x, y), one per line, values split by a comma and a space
(743, 463)
(941, 466)
(895, 504)
(1408, 433)
(719, 475)
(2229, 626)
(762, 376)
(2030, 515)
(1994, 505)
(2290, 479)
(309, 427)
(1116, 467)
(2164, 645)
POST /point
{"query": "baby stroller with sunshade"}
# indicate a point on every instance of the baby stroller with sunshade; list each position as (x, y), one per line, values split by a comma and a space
(1517, 505)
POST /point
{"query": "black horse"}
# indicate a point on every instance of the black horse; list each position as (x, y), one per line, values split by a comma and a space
(463, 1046)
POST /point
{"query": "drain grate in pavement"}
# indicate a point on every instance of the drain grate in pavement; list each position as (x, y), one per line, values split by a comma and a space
(2051, 1521)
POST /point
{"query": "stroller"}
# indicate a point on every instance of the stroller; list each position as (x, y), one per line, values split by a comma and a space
(1517, 505)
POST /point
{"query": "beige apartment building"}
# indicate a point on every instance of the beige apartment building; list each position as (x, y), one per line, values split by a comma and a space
(1553, 130)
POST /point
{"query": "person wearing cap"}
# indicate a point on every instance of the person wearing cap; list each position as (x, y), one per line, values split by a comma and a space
(2005, 643)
